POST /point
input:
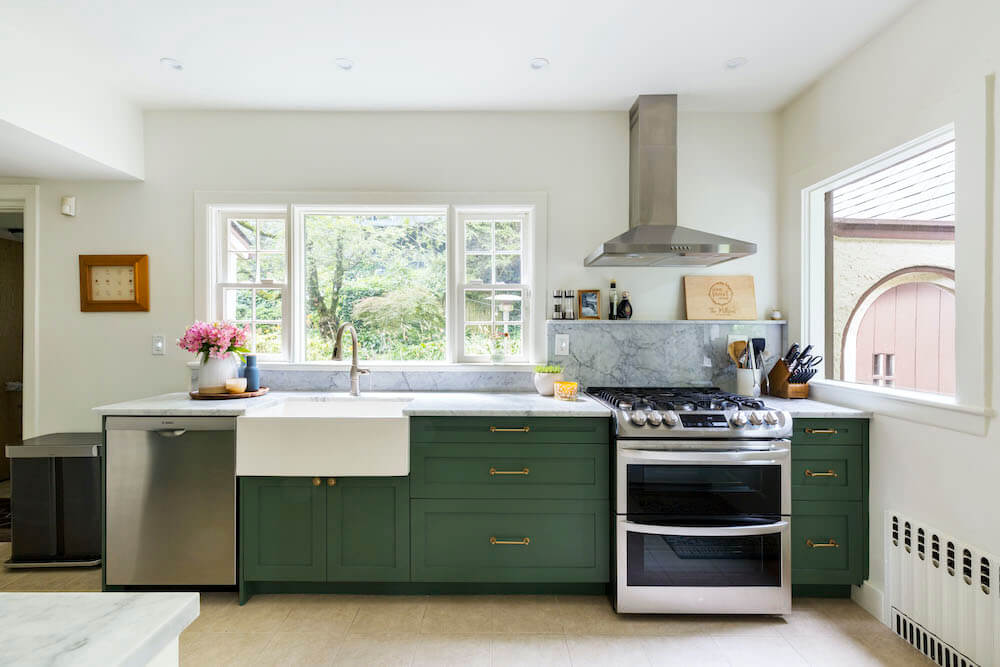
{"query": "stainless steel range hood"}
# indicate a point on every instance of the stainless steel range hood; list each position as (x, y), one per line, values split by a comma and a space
(653, 238)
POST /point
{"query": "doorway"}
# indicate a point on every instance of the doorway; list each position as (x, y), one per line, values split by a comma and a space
(11, 347)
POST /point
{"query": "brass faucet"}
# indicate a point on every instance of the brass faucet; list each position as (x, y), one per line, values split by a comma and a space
(338, 355)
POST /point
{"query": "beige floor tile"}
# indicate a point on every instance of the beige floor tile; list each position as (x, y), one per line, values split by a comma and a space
(389, 615)
(530, 650)
(332, 620)
(212, 611)
(745, 651)
(454, 615)
(834, 649)
(208, 649)
(298, 648)
(455, 651)
(262, 615)
(607, 651)
(45, 579)
(514, 614)
(586, 615)
(376, 652)
(683, 650)
(892, 651)
(88, 581)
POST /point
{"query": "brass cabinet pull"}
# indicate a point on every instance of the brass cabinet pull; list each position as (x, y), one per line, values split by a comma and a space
(523, 471)
(821, 430)
(519, 429)
(829, 473)
(316, 481)
(522, 542)
(822, 545)
(332, 481)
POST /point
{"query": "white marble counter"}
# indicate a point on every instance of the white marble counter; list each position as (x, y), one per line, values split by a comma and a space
(443, 403)
(805, 408)
(93, 628)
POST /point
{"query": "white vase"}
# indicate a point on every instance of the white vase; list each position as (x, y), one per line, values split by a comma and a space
(545, 382)
(212, 374)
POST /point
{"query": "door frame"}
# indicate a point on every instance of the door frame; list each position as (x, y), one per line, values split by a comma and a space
(27, 195)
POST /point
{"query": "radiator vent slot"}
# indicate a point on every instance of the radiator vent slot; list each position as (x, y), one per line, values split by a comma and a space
(928, 643)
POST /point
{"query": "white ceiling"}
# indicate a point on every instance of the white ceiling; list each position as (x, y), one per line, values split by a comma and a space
(450, 54)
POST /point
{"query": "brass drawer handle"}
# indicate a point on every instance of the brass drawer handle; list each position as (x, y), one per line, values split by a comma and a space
(519, 429)
(524, 542)
(316, 481)
(829, 473)
(332, 481)
(822, 545)
(523, 471)
(822, 431)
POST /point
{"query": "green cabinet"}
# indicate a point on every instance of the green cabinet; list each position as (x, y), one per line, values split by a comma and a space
(324, 529)
(829, 474)
(510, 430)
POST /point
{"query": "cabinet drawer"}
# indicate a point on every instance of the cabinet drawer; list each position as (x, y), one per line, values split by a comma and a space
(828, 543)
(510, 540)
(825, 472)
(509, 471)
(829, 431)
(569, 430)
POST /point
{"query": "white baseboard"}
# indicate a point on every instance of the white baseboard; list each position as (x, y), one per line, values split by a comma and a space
(870, 599)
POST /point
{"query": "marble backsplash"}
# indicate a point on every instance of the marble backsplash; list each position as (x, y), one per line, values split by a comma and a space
(466, 379)
(673, 353)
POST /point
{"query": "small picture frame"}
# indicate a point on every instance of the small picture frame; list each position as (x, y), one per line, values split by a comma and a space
(588, 304)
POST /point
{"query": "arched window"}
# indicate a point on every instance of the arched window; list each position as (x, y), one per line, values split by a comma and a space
(902, 332)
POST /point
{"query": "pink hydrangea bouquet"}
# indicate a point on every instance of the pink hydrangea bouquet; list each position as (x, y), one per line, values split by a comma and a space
(215, 339)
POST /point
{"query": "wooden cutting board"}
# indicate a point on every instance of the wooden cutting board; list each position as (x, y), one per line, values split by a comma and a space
(720, 298)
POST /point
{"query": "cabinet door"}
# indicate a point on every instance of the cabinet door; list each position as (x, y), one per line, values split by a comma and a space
(828, 543)
(368, 529)
(283, 529)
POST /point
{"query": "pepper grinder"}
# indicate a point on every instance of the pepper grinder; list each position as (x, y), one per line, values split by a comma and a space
(569, 307)
(557, 311)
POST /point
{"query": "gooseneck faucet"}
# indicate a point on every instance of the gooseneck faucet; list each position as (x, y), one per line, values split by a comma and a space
(338, 355)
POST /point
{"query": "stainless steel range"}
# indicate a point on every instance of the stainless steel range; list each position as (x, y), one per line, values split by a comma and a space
(702, 501)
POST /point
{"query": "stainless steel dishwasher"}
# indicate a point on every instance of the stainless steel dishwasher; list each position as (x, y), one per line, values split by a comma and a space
(170, 501)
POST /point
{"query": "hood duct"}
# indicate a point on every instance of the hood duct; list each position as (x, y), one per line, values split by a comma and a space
(653, 238)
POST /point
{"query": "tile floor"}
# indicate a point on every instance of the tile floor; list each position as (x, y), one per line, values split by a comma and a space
(501, 630)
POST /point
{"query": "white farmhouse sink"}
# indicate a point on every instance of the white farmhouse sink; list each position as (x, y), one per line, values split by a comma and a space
(335, 436)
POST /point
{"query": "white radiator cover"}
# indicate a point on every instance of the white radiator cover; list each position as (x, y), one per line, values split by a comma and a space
(948, 587)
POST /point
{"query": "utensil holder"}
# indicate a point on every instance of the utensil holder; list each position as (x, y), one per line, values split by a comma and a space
(781, 387)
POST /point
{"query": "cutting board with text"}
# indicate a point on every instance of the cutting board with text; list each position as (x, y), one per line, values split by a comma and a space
(720, 298)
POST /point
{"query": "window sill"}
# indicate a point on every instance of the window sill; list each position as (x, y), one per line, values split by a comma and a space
(940, 411)
(394, 366)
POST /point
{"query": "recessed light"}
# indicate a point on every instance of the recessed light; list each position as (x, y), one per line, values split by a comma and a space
(344, 63)
(736, 63)
(539, 63)
(172, 64)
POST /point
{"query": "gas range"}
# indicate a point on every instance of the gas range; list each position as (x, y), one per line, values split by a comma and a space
(691, 412)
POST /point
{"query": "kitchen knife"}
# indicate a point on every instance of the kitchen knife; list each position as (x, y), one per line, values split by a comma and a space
(793, 352)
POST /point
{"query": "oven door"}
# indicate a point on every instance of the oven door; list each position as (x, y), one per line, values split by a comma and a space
(688, 487)
(703, 570)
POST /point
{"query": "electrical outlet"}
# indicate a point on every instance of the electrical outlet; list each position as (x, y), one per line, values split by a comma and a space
(159, 346)
(562, 345)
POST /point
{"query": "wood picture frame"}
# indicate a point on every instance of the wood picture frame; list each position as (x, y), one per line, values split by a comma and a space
(589, 299)
(114, 283)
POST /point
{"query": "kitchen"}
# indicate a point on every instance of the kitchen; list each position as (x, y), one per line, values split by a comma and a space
(173, 167)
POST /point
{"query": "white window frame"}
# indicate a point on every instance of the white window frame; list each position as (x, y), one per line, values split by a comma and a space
(209, 238)
(963, 412)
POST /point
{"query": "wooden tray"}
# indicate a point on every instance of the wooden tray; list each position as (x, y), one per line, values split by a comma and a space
(225, 397)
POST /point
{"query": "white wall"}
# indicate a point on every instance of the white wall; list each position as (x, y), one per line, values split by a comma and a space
(927, 70)
(727, 172)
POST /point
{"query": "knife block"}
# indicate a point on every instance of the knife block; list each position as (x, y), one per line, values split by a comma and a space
(781, 387)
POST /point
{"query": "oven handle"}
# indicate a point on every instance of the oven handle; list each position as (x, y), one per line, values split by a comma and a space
(660, 456)
(717, 531)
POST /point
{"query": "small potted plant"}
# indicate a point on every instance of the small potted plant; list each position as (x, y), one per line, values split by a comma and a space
(221, 346)
(546, 377)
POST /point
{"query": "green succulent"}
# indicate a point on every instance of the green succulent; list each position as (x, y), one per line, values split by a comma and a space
(548, 369)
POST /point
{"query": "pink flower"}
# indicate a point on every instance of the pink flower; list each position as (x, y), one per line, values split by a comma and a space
(216, 339)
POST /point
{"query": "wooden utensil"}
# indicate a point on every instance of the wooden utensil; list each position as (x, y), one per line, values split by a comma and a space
(736, 351)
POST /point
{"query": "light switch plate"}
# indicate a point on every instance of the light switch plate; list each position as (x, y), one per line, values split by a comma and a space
(159, 346)
(562, 345)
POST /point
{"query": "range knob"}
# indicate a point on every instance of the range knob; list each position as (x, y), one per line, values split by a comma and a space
(771, 418)
(755, 419)
(638, 417)
(670, 418)
(738, 419)
(655, 418)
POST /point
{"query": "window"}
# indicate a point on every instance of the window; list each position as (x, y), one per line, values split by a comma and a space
(420, 283)
(890, 272)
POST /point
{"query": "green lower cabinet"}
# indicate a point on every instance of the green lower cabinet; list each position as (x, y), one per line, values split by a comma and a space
(368, 529)
(510, 540)
(829, 544)
(282, 529)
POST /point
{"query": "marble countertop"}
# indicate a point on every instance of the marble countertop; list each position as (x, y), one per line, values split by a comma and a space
(91, 628)
(806, 408)
(442, 403)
